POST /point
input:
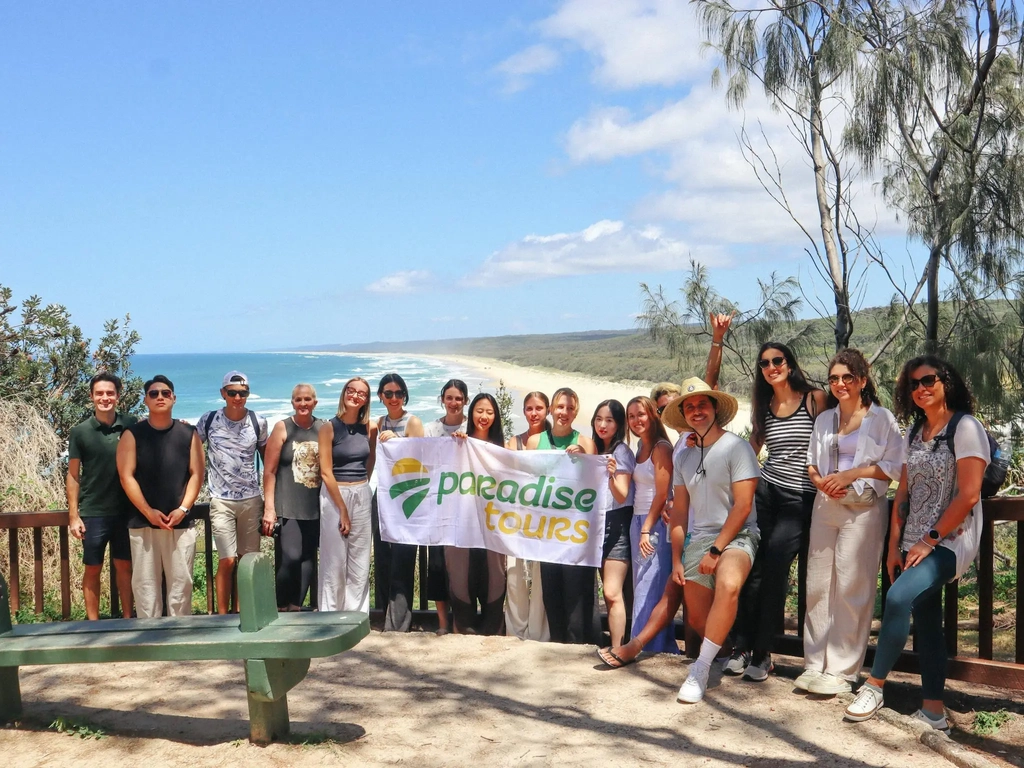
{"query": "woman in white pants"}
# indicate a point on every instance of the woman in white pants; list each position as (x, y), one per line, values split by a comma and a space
(347, 450)
(855, 450)
(525, 616)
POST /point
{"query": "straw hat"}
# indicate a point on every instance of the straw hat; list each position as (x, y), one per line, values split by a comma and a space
(725, 405)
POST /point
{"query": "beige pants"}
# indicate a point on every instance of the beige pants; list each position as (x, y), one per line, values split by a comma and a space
(842, 577)
(159, 555)
(525, 616)
(236, 526)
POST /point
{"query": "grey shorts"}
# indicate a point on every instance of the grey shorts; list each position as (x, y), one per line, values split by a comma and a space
(698, 546)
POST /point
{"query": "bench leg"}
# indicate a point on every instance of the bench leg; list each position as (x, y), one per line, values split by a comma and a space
(10, 695)
(268, 720)
(267, 681)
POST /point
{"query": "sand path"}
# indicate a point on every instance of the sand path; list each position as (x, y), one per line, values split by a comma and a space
(426, 701)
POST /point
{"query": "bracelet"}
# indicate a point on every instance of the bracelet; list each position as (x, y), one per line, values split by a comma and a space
(928, 543)
(643, 532)
(716, 344)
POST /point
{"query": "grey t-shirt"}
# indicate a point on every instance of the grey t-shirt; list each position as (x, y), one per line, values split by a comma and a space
(729, 460)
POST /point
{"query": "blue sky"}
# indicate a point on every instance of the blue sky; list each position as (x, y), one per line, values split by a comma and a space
(243, 176)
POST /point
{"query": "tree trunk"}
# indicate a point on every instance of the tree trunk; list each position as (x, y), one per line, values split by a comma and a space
(836, 266)
(931, 335)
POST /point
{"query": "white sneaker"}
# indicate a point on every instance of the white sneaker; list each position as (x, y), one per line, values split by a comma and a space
(939, 724)
(692, 690)
(829, 685)
(806, 678)
(869, 700)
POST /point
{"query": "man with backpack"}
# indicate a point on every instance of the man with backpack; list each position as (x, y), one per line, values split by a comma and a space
(233, 436)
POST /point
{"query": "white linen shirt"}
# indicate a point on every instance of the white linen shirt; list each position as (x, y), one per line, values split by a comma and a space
(879, 442)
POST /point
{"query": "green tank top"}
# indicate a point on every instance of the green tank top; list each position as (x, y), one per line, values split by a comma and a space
(557, 443)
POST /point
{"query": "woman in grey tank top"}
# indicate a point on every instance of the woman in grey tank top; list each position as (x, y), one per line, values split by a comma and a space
(395, 564)
(347, 452)
(291, 484)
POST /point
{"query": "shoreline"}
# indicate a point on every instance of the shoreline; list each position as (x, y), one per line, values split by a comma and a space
(519, 380)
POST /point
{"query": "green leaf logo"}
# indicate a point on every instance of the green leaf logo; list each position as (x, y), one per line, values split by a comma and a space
(409, 466)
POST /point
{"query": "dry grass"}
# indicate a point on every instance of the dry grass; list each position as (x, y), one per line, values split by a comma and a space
(32, 480)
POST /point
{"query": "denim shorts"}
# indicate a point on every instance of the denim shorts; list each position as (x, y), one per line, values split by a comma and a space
(616, 534)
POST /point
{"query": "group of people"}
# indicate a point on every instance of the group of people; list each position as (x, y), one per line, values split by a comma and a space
(700, 523)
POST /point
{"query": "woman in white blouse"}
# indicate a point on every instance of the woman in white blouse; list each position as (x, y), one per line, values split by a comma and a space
(855, 450)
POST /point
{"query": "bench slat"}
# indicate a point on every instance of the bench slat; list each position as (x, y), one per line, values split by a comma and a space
(280, 640)
(106, 626)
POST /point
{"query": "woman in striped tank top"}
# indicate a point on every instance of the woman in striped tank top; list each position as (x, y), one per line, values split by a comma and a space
(784, 406)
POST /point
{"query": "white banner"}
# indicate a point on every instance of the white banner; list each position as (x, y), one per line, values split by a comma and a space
(538, 505)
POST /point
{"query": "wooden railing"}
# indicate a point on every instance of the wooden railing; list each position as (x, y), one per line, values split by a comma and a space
(982, 669)
(37, 521)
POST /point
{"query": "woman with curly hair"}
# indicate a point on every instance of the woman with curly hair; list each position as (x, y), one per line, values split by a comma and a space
(935, 526)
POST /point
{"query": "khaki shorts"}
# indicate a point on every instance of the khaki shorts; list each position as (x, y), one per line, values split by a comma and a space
(236, 526)
(698, 546)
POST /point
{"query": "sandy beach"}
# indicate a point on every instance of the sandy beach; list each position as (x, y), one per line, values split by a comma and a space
(520, 379)
(484, 373)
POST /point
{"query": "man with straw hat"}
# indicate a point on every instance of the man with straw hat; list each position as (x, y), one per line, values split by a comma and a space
(716, 479)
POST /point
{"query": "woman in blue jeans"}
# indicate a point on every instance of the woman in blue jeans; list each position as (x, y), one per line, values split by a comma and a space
(935, 529)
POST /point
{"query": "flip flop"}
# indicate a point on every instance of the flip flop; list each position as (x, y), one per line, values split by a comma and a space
(621, 663)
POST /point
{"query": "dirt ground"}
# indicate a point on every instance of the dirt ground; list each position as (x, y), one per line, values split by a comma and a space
(426, 701)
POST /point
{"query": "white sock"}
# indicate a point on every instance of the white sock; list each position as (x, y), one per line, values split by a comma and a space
(708, 652)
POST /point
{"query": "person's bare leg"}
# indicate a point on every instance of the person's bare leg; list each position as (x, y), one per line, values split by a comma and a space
(698, 605)
(91, 590)
(442, 614)
(123, 577)
(613, 576)
(733, 567)
(225, 584)
(664, 612)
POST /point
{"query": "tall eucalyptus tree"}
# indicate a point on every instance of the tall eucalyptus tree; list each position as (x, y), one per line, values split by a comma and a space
(802, 60)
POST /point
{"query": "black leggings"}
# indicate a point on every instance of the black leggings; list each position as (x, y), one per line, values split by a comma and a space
(784, 519)
(296, 555)
(569, 602)
(402, 582)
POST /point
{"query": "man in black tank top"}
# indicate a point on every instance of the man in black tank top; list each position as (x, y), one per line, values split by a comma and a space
(160, 462)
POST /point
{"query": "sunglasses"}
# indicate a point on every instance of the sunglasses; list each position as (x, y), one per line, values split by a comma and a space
(778, 362)
(661, 408)
(392, 394)
(236, 393)
(164, 393)
(846, 378)
(925, 381)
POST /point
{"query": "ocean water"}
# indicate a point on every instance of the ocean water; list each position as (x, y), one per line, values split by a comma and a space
(272, 376)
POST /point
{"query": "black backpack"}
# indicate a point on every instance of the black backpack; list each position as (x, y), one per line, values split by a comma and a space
(995, 472)
(256, 428)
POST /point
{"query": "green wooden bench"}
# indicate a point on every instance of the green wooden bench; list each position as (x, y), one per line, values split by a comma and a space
(275, 647)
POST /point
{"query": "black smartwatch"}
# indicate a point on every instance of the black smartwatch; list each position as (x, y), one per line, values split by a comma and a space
(934, 535)
(715, 551)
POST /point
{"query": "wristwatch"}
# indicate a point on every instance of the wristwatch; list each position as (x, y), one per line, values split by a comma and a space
(184, 509)
(715, 551)
(934, 536)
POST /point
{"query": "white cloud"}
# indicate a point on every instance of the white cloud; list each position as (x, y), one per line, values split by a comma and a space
(518, 67)
(636, 42)
(606, 246)
(408, 281)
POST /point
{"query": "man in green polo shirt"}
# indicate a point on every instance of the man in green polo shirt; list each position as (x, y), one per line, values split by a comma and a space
(97, 505)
